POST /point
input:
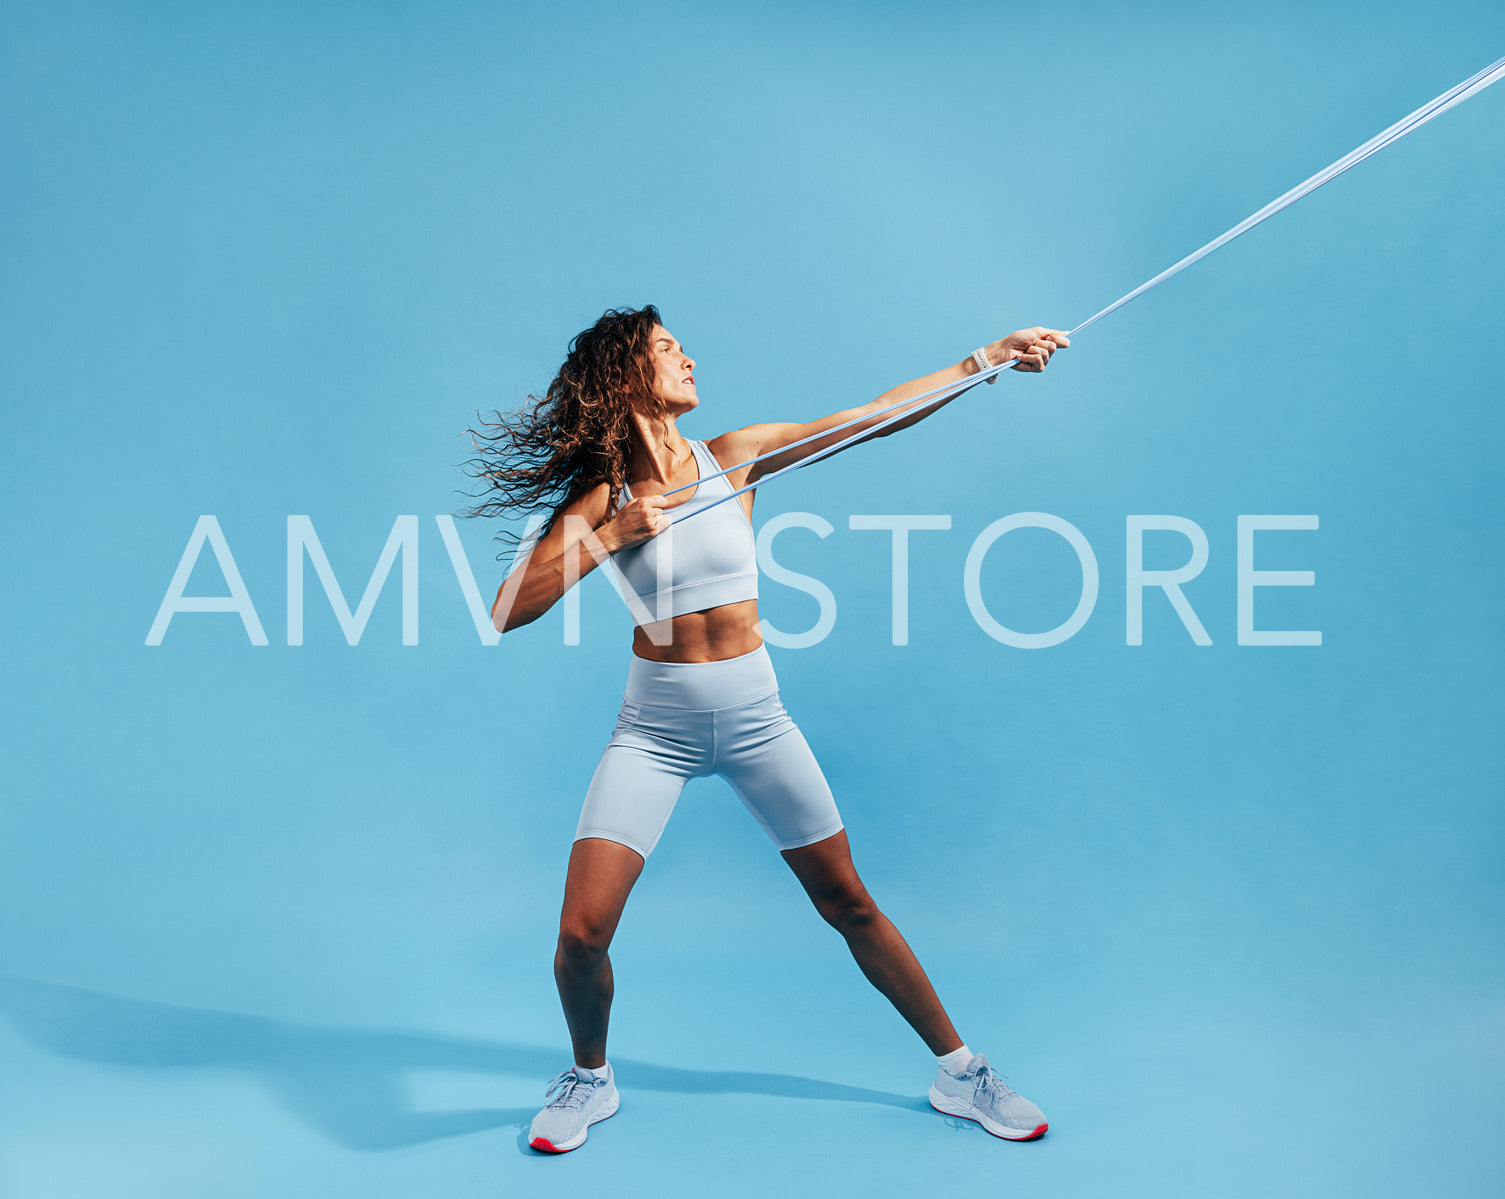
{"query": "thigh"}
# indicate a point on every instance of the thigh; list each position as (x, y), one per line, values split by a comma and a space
(638, 780)
(764, 756)
(600, 878)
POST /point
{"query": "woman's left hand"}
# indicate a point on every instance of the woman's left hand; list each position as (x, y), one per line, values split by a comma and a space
(1032, 347)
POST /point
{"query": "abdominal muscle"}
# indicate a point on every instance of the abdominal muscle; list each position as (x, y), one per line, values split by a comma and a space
(710, 636)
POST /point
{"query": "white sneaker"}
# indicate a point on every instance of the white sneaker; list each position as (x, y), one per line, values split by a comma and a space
(980, 1095)
(578, 1104)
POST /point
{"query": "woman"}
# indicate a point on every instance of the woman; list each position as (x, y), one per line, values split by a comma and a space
(603, 446)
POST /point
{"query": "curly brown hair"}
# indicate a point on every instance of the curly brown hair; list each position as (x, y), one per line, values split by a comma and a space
(576, 435)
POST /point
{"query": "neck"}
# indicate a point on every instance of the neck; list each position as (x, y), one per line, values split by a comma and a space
(658, 446)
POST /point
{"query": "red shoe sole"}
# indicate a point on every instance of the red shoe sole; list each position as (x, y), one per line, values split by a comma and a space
(544, 1146)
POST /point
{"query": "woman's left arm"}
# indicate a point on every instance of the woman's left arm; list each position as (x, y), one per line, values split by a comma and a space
(1032, 347)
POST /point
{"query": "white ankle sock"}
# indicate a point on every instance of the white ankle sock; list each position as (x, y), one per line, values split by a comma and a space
(587, 1075)
(955, 1062)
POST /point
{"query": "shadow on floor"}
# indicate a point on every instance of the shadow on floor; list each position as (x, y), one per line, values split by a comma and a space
(350, 1085)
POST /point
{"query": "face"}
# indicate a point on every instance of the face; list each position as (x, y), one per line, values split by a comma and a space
(673, 373)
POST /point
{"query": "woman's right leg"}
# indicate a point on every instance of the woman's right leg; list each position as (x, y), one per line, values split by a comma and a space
(600, 878)
(644, 767)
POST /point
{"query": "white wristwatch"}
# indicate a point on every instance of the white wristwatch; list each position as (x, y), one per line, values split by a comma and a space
(980, 356)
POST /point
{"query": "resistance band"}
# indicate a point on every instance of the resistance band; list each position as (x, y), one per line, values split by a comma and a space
(1434, 108)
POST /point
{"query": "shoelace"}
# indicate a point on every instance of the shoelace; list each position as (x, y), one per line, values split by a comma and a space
(988, 1079)
(573, 1091)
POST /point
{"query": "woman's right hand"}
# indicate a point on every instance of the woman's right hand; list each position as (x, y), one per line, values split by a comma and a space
(640, 520)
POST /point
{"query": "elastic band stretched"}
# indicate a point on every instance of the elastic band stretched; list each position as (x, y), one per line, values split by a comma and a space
(1431, 110)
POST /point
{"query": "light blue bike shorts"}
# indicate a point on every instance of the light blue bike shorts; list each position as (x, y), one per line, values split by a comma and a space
(684, 719)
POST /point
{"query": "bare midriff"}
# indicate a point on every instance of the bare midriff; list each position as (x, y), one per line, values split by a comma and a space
(710, 636)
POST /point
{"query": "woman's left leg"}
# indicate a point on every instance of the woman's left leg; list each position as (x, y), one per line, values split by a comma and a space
(769, 764)
(826, 872)
(766, 760)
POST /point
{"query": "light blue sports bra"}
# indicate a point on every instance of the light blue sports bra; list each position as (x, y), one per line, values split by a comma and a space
(709, 561)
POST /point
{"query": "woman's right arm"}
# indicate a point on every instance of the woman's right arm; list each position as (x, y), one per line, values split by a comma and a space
(577, 542)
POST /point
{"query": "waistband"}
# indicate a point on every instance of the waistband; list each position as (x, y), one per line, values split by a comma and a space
(702, 686)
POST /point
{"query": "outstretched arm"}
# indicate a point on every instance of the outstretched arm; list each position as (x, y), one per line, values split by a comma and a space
(1032, 347)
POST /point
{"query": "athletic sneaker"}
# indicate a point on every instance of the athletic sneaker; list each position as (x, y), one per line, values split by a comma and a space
(980, 1095)
(577, 1105)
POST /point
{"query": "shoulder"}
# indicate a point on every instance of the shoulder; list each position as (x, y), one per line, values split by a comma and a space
(590, 503)
(736, 447)
(578, 514)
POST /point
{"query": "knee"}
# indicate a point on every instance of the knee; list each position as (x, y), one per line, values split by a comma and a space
(582, 945)
(848, 908)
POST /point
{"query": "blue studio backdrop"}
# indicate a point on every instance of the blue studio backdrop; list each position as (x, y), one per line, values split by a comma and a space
(1218, 886)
